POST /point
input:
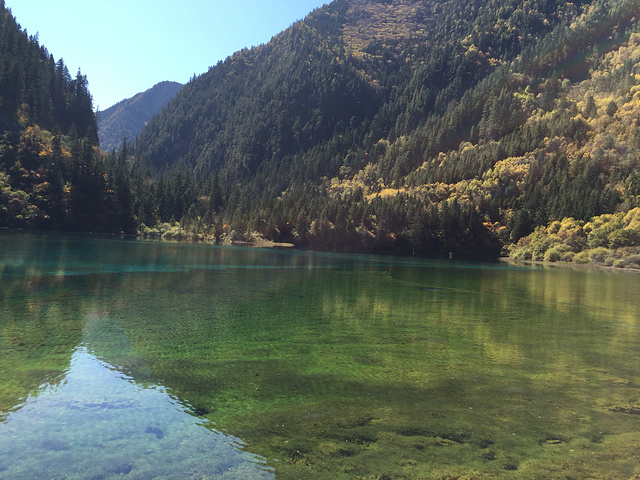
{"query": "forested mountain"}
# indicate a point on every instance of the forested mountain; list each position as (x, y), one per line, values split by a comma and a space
(402, 126)
(128, 117)
(52, 175)
(407, 126)
(34, 88)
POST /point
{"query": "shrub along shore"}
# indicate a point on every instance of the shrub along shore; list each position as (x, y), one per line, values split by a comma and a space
(610, 240)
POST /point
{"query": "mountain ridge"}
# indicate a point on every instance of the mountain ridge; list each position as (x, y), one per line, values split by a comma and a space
(128, 117)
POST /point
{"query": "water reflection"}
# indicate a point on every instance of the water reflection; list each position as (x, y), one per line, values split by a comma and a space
(98, 423)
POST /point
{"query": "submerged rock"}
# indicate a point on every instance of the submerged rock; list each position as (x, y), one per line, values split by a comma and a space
(156, 431)
(551, 441)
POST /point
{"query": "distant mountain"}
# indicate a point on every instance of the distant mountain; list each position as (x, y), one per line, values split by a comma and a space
(128, 117)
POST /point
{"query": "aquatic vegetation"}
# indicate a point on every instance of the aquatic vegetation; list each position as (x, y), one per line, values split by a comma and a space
(329, 366)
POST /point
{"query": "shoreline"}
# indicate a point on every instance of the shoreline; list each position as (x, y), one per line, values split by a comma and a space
(261, 244)
(570, 265)
(191, 239)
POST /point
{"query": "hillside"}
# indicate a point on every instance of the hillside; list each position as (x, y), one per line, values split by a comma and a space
(352, 65)
(52, 175)
(128, 117)
(35, 88)
(404, 126)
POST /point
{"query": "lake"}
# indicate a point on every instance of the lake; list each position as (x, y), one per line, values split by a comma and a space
(128, 359)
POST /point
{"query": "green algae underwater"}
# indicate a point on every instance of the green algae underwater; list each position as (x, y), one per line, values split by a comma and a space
(125, 359)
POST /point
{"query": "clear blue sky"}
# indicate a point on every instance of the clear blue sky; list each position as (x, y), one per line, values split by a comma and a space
(127, 46)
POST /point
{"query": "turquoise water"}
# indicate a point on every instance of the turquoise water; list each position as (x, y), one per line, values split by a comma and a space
(124, 359)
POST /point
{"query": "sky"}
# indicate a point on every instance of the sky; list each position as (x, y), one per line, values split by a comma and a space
(127, 46)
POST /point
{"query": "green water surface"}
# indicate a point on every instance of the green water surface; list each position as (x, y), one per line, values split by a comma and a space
(124, 359)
